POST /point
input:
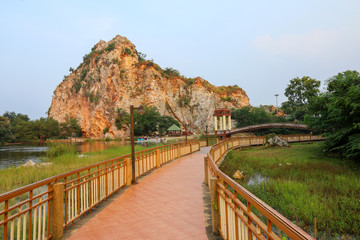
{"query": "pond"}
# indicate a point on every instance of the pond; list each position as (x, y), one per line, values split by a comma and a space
(15, 155)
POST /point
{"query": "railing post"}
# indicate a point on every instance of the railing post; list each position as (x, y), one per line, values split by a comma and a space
(215, 216)
(206, 171)
(179, 149)
(56, 209)
(158, 164)
(128, 171)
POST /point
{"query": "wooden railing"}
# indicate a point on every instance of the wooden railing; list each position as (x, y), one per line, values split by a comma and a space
(236, 212)
(43, 209)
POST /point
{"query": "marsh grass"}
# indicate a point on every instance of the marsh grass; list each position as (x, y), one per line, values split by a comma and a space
(303, 184)
(15, 177)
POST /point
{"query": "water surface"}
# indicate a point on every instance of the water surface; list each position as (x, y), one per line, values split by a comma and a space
(15, 155)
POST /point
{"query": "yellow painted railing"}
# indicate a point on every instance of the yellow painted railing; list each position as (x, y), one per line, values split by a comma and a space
(29, 212)
(237, 213)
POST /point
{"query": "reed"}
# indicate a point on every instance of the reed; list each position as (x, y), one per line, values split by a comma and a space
(63, 159)
(303, 184)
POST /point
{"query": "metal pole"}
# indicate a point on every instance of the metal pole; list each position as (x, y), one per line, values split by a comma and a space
(206, 132)
(277, 108)
(132, 145)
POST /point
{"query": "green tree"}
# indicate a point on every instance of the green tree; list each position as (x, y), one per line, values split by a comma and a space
(165, 122)
(299, 92)
(70, 128)
(23, 130)
(145, 123)
(46, 128)
(5, 130)
(141, 56)
(122, 119)
(336, 112)
(248, 115)
(21, 127)
(172, 72)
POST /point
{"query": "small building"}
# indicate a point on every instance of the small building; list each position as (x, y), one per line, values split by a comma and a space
(174, 130)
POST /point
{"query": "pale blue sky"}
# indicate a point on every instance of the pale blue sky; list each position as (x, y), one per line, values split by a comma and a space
(258, 45)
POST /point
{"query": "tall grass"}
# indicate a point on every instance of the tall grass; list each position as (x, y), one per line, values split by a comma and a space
(15, 177)
(58, 149)
(304, 184)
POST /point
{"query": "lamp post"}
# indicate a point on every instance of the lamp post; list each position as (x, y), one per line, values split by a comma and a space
(140, 110)
(277, 109)
(206, 133)
(186, 132)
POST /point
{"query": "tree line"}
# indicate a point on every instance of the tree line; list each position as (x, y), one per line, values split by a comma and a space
(17, 127)
(333, 113)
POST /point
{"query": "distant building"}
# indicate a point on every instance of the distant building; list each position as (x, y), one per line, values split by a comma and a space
(174, 130)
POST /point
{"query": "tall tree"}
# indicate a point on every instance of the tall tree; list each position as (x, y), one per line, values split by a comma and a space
(146, 123)
(165, 122)
(299, 92)
(248, 115)
(337, 113)
(70, 128)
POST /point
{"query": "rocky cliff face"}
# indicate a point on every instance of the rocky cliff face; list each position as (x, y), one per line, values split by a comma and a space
(113, 76)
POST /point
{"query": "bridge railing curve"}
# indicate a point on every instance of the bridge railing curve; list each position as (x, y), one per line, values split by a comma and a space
(240, 214)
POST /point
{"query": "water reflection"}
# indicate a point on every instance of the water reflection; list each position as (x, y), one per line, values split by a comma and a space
(14, 155)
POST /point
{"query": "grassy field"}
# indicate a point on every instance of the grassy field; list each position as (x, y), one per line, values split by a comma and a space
(302, 183)
(15, 177)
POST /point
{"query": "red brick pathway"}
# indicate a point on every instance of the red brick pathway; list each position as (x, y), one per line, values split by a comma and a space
(167, 204)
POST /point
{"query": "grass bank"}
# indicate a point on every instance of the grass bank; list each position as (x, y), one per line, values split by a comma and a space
(302, 183)
(63, 159)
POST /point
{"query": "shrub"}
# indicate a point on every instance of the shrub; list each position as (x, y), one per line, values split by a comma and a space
(76, 86)
(57, 149)
(110, 47)
(127, 51)
(172, 72)
(141, 56)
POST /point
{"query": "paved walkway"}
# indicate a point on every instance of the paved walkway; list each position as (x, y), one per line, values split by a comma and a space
(166, 204)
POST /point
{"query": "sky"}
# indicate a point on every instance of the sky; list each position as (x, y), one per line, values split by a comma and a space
(258, 45)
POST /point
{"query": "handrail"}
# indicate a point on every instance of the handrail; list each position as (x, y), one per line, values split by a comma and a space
(25, 212)
(232, 210)
(268, 125)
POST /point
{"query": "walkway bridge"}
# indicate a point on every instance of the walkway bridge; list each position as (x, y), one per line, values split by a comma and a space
(263, 126)
(166, 204)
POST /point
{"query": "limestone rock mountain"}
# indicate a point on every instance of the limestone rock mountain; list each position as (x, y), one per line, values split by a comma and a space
(114, 75)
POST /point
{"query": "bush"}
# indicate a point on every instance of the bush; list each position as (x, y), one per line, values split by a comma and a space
(141, 56)
(172, 72)
(57, 149)
(110, 47)
(127, 51)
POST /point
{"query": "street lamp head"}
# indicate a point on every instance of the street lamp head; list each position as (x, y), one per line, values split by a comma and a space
(141, 109)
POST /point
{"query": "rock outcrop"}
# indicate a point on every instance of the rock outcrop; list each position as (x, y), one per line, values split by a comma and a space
(276, 141)
(114, 75)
